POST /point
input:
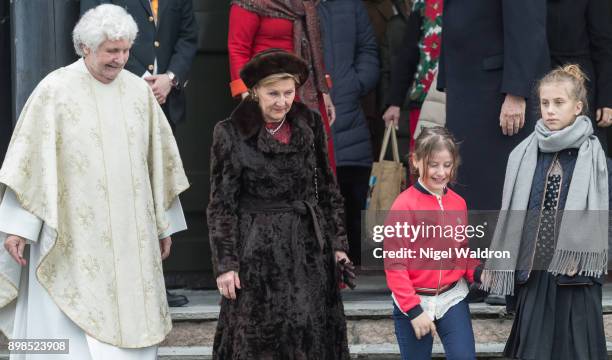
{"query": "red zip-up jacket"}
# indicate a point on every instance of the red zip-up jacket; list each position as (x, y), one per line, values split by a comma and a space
(428, 274)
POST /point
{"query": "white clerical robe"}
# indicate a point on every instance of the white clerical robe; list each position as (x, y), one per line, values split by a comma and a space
(91, 178)
(37, 316)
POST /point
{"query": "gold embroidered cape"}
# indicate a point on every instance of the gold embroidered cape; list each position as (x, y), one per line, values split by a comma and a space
(99, 165)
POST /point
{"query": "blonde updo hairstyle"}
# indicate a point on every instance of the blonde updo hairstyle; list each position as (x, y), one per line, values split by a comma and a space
(433, 139)
(573, 75)
(271, 79)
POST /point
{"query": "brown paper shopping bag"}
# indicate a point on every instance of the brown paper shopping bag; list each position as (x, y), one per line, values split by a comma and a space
(387, 180)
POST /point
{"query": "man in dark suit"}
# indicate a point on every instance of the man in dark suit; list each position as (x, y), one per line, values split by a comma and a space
(493, 52)
(162, 54)
(164, 48)
(580, 32)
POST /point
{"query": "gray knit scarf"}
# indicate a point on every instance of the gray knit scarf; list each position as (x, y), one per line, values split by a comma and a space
(580, 249)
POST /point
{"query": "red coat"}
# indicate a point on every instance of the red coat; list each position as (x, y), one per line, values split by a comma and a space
(402, 282)
(250, 34)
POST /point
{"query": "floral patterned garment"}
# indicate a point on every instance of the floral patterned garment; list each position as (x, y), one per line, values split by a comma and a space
(98, 165)
(429, 46)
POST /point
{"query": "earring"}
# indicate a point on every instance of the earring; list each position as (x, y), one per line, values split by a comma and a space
(253, 96)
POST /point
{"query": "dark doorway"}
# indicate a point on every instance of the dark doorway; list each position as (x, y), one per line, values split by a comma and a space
(6, 119)
(208, 101)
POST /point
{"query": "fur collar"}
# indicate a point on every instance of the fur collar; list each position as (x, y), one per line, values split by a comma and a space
(248, 120)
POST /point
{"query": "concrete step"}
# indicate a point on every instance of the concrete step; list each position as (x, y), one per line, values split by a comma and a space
(365, 331)
(371, 332)
(369, 352)
(369, 321)
(362, 352)
(370, 300)
(203, 305)
(368, 315)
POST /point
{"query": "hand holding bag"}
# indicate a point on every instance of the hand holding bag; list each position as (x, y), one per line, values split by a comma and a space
(387, 181)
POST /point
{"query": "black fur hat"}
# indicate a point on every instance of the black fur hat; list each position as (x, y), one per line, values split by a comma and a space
(270, 62)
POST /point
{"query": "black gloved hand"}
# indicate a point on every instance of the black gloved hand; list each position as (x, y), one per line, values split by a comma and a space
(347, 273)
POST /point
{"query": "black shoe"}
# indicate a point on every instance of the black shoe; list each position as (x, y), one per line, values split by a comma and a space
(476, 295)
(495, 300)
(176, 300)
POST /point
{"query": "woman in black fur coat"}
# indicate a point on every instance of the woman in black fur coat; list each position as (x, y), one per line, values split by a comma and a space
(276, 223)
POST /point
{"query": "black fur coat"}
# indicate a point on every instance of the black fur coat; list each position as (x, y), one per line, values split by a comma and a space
(262, 216)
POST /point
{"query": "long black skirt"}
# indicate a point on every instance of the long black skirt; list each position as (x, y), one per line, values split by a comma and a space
(557, 322)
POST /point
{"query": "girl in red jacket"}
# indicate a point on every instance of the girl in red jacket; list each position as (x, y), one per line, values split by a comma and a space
(428, 292)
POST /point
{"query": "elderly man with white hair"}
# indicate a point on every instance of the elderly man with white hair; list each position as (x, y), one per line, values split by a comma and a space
(89, 191)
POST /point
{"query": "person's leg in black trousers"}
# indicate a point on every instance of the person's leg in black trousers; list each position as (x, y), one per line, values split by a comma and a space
(353, 182)
(174, 300)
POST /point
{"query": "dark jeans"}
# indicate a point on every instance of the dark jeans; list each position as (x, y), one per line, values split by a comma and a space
(454, 329)
(353, 182)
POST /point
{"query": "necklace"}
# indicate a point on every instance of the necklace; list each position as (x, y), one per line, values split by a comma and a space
(275, 130)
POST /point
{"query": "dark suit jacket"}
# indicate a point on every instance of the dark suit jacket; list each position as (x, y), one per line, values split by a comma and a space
(490, 48)
(405, 63)
(381, 12)
(580, 32)
(173, 42)
(481, 36)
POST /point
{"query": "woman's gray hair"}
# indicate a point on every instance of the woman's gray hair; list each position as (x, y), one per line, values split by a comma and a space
(104, 22)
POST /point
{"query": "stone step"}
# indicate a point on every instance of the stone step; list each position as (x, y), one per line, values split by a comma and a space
(362, 304)
(368, 313)
(369, 352)
(362, 331)
(353, 310)
(203, 305)
(371, 339)
(371, 332)
(385, 351)
(368, 332)
(361, 352)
